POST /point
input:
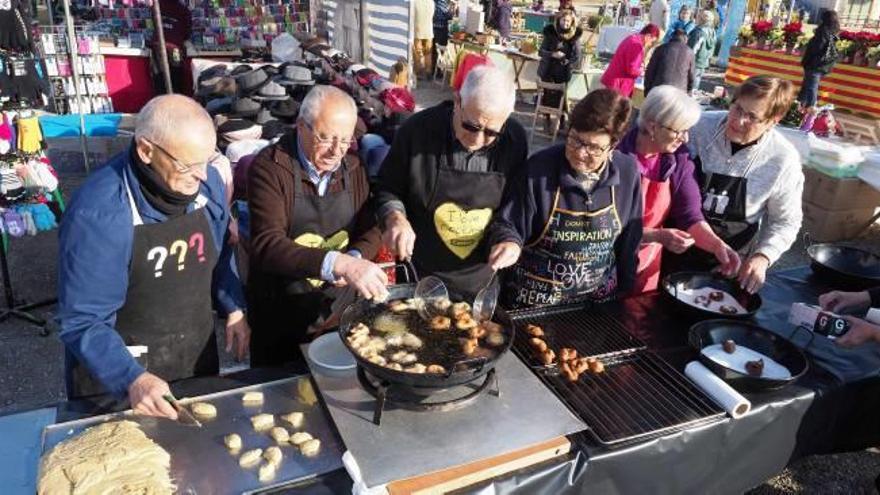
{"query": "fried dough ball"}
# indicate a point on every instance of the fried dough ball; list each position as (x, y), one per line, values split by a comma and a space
(377, 359)
(468, 346)
(465, 322)
(358, 341)
(755, 368)
(568, 373)
(729, 346)
(436, 368)
(442, 304)
(582, 365)
(398, 306)
(418, 368)
(567, 354)
(412, 341)
(495, 339)
(476, 332)
(728, 310)
(547, 357)
(491, 326)
(537, 344)
(394, 366)
(460, 308)
(295, 419)
(359, 329)
(395, 340)
(597, 367)
(716, 295)
(440, 323)
(404, 357)
(534, 330)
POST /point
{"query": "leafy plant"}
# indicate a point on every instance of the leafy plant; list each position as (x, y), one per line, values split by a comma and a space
(761, 29)
(792, 31)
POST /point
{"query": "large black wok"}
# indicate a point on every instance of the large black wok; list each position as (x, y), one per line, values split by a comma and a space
(464, 371)
(709, 332)
(675, 282)
(845, 267)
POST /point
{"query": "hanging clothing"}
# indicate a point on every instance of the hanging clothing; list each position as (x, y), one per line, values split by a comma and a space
(579, 245)
(106, 262)
(15, 22)
(448, 193)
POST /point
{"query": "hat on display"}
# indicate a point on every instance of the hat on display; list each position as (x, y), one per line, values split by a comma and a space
(219, 105)
(398, 100)
(270, 70)
(218, 70)
(234, 130)
(241, 69)
(251, 82)
(264, 116)
(223, 86)
(271, 91)
(245, 108)
(285, 109)
(365, 77)
(274, 128)
(238, 149)
(354, 68)
(294, 75)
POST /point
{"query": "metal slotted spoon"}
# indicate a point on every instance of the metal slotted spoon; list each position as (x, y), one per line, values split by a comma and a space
(487, 299)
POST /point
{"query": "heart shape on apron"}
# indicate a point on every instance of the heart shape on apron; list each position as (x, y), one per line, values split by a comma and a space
(461, 230)
(336, 242)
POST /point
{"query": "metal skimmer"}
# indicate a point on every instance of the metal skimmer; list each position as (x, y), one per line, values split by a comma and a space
(638, 396)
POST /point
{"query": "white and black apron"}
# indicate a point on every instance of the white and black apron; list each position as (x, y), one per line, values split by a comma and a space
(284, 308)
(450, 232)
(572, 261)
(168, 305)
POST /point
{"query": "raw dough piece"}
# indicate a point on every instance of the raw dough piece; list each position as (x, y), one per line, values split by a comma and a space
(114, 457)
(300, 437)
(273, 455)
(266, 472)
(310, 447)
(295, 419)
(204, 410)
(252, 398)
(263, 421)
(279, 434)
(232, 441)
(250, 458)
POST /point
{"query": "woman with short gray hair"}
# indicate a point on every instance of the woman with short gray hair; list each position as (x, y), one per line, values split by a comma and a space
(672, 219)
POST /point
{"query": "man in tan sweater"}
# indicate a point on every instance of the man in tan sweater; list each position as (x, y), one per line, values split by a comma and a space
(424, 36)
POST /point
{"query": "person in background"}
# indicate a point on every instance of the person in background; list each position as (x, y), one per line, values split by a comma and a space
(423, 25)
(685, 22)
(626, 64)
(397, 105)
(442, 16)
(566, 5)
(750, 179)
(143, 259)
(444, 177)
(671, 64)
(659, 14)
(702, 41)
(503, 12)
(312, 230)
(399, 73)
(538, 5)
(570, 226)
(818, 59)
(560, 53)
(861, 331)
(177, 26)
(673, 218)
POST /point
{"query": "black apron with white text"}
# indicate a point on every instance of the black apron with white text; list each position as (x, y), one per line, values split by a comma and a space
(572, 261)
(168, 305)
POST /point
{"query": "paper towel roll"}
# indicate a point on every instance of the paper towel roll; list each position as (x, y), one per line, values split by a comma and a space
(732, 401)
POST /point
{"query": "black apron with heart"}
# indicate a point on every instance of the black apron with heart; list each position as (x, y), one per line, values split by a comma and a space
(450, 240)
(168, 305)
(572, 261)
(284, 308)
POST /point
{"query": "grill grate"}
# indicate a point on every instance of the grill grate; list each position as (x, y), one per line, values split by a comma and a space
(593, 334)
(639, 396)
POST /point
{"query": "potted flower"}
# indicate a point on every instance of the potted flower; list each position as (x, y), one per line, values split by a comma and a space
(746, 37)
(761, 31)
(790, 34)
(529, 44)
(775, 38)
(845, 49)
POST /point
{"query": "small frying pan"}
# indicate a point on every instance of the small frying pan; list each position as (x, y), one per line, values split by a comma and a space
(709, 332)
(675, 282)
(845, 267)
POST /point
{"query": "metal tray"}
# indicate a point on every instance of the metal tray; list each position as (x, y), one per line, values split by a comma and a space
(201, 464)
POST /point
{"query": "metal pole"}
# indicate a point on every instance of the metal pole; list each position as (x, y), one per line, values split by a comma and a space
(51, 16)
(73, 48)
(163, 54)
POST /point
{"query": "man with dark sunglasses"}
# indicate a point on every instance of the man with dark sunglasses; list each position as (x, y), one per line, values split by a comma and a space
(443, 179)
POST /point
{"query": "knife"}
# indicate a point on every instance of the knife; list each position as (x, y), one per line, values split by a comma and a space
(183, 415)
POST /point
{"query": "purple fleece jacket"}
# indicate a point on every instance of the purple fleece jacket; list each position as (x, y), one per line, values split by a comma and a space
(678, 168)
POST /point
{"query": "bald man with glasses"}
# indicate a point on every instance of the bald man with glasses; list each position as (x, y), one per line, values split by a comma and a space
(443, 180)
(144, 260)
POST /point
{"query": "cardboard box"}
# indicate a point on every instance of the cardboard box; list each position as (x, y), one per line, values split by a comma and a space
(815, 319)
(823, 225)
(835, 194)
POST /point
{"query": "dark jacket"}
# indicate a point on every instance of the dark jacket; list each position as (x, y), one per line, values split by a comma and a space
(528, 202)
(673, 64)
(558, 70)
(678, 168)
(820, 55)
(271, 201)
(702, 41)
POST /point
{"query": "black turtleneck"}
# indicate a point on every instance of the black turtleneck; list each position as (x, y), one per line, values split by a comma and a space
(158, 194)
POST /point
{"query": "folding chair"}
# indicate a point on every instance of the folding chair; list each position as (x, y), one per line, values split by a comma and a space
(554, 113)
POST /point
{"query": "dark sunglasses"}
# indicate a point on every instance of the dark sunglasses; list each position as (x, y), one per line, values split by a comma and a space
(475, 129)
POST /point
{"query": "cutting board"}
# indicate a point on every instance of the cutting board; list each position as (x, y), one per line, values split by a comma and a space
(459, 477)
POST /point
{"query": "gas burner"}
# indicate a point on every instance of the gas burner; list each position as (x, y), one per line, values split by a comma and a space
(420, 398)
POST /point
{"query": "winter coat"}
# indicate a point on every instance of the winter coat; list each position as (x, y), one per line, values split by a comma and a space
(702, 41)
(820, 54)
(672, 64)
(558, 70)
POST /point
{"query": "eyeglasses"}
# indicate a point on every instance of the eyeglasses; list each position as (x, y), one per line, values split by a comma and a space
(327, 142)
(676, 134)
(738, 112)
(476, 128)
(181, 167)
(592, 149)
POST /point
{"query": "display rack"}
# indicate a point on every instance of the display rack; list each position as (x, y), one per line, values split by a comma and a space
(232, 24)
(93, 91)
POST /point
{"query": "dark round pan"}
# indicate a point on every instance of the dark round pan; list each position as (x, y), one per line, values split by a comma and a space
(698, 280)
(845, 267)
(709, 332)
(464, 372)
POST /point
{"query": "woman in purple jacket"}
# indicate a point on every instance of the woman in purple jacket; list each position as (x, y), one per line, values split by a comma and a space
(673, 217)
(573, 219)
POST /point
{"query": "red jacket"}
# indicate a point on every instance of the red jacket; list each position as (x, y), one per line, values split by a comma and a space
(625, 66)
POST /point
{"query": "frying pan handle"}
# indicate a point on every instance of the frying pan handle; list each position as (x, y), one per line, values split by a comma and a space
(805, 329)
(409, 271)
(695, 338)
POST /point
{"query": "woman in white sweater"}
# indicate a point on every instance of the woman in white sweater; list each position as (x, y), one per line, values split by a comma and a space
(750, 177)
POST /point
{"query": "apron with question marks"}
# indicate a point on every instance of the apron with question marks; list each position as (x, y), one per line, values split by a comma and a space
(168, 306)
